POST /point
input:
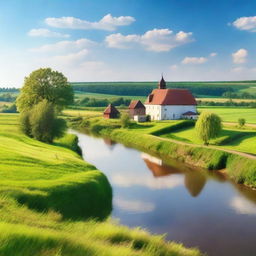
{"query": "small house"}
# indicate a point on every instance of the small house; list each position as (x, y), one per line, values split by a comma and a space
(136, 108)
(110, 112)
(190, 115)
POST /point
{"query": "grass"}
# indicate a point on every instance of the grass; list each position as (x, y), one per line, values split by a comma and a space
(240, 140)
(232, 114)
(51, 202)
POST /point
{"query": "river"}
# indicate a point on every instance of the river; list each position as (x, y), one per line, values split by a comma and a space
(192, 206)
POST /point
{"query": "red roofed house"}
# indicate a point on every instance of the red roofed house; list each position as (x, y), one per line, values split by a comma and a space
(168, 104)
(136, 108)
(110, 112)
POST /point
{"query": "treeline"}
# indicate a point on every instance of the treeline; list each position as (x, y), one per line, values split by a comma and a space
(9, 109)
(8, 97)
(5, 89)
(227, 104)
(234, 95)
(144, 88)
(94, 102)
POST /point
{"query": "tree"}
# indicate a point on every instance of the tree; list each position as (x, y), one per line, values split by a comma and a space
(208, 126)
(45, 83)
(41, 122)
(241, 122)
(125, 120)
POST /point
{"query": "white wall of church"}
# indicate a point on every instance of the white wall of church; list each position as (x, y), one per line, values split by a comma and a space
(168, 112)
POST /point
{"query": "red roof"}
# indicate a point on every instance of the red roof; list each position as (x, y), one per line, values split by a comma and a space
(171, 97)
(190, 113)
(136, 104)
(111, 110)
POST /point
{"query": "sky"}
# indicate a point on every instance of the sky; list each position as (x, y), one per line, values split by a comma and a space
(128, 40)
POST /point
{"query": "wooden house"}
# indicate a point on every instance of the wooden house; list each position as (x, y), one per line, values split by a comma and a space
(136, 108)
(111, 112)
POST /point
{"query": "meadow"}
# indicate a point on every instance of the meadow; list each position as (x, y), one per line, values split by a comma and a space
(54, 203)
(232, 114)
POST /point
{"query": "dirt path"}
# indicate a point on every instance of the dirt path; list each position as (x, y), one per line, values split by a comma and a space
(233, 123)
(251, 156)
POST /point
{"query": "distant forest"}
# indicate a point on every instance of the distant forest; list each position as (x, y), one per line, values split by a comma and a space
(215, 89)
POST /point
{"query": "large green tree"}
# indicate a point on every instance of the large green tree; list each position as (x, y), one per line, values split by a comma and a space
(45, 83)
(208, 126)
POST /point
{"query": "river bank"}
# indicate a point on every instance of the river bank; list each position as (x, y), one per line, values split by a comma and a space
(240, 168)
(52, 203)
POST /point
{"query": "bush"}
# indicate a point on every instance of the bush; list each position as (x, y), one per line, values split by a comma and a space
(25, 123)
(241, 122)
(41, 122)
(125, 120)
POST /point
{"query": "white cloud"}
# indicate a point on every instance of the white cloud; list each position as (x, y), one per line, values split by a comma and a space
(43, 32)
(246, 23)
(65, 46)
(149, 182)
(213, 54)
(240, 56)
(157, 40)
(194, 60)
(68, 59)
(134, 206)
(173, 67)
(108, 22)
(241, 206)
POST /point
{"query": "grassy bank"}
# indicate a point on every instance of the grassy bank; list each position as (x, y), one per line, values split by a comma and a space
(49, 196)
(145, 137)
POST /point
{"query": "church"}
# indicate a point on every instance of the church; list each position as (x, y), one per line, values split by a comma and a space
(170, 104)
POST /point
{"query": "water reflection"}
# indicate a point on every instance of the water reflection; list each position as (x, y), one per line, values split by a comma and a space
(134, 206)
(194, 181)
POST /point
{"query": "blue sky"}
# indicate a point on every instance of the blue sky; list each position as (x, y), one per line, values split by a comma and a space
(128, 40)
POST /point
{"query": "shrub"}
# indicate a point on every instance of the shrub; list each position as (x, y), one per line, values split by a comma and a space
(41, 122)
(25, 123)
(241, 122)
(125, 120)
(208, 126)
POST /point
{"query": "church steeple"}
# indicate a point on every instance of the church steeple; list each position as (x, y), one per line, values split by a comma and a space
(162, 84)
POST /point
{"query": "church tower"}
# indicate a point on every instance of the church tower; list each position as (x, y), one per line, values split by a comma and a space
(162, 84)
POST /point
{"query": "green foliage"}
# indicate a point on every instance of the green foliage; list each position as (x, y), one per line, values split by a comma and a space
(241, 122)
(9, 109)
(208, 126)
(45, 83)
(25, 125)
(125, 120)
(41, 122)
(99, 102)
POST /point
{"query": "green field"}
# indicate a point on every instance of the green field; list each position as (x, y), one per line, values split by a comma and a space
(47, 196)
(240, 140)
(232, 114)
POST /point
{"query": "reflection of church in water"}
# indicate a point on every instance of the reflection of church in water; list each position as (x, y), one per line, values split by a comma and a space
(194, 181)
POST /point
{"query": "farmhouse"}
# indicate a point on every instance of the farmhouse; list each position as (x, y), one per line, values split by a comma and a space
(136, 108)
(110, 112)
(169, 104)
